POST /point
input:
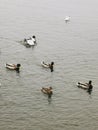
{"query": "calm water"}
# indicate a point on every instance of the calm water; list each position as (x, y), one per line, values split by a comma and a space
(73, 46)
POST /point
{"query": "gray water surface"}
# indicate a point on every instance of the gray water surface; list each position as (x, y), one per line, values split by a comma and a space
(73, 47)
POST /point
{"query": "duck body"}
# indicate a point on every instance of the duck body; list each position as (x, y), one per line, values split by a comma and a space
(10, 66)
(83, 85)
(47, 91)
(45, 65)
(30, 42)
(13, 67)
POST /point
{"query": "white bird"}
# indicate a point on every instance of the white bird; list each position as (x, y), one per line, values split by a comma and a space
(67, 18)
(31, 41)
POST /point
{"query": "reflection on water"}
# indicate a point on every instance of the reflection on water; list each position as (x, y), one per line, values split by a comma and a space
(49, 100)
(89, 91)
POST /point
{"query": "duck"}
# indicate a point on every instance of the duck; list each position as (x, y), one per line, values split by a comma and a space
(87, 86)
(13, 67)
(47, 91)
(31, 41)
(47, 65)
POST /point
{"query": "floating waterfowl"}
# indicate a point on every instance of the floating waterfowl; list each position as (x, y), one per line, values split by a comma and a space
(80, 85)
(13, 67)
(31, 41)
(47, 91)
(87, 86)
(47, 65)
(67, 18)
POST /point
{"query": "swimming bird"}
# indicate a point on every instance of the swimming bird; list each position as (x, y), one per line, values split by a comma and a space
(13, 67)
(31, 41)
(67, 18)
